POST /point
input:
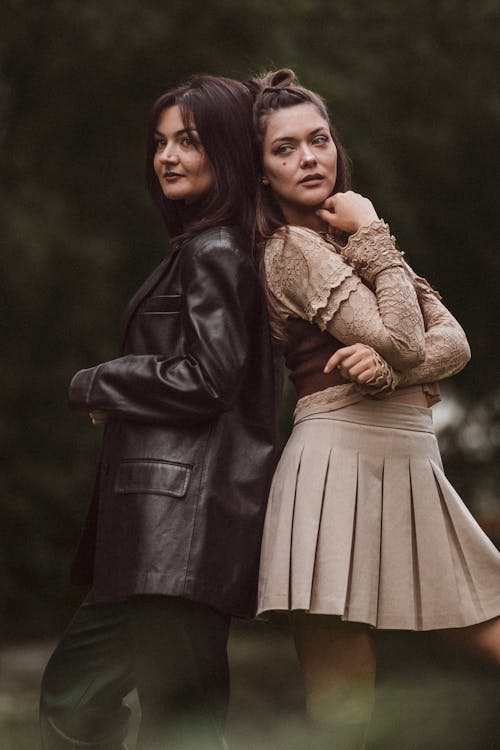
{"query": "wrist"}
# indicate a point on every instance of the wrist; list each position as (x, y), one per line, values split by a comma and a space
(366, 221)
(371, 250)
(385, 380)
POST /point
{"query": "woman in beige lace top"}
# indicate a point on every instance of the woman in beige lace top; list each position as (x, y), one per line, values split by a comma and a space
(363, 530)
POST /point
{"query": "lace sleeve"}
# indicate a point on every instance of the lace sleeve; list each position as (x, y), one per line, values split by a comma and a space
(304, 273)
(446, 348)
(389, 317)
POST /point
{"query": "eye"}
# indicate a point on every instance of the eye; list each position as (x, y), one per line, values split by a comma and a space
(189, 141)
(160, 144)
(321, 140)
(285, 148)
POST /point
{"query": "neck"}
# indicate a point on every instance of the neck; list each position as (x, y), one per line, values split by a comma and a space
(189, 212)
(304, 217)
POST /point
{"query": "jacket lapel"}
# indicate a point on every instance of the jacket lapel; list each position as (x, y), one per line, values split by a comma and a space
(144, 290)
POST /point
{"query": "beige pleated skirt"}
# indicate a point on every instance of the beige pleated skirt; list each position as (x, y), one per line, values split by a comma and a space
(362, 523)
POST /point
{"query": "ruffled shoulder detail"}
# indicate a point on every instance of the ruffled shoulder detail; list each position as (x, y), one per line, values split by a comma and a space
(305, 272)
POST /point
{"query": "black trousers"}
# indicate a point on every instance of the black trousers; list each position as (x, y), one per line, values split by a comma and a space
(172, 650)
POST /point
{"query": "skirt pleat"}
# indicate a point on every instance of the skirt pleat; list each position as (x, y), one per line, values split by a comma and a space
(362, 594)
(435, 575)
(277, 536)
(362, 523)
(310, 491)
(334, 541)
(471, 549)
(397, 548)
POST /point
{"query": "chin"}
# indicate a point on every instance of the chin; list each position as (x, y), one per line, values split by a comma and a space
(174, 195)
(315, 201)
(315, 198)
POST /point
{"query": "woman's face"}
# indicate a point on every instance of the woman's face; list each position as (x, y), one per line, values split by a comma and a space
(180, 162)
(299, 162)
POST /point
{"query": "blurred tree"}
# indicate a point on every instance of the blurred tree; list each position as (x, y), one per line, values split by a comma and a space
(411, 89)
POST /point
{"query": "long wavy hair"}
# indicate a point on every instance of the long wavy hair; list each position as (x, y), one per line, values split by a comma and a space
(220, 109)
(274, 91)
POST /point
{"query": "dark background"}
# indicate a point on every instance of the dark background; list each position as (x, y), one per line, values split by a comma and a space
(413, 90)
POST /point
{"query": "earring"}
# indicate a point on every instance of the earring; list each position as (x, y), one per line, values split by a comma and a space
(265, 181)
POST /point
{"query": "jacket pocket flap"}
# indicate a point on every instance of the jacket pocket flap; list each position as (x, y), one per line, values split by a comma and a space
(153, 477)
(162, 303)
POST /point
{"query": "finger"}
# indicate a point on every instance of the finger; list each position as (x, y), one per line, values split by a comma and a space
(328, 217)
(367, 376)
(352, 373)
(348, 375)
(338, 357)
(357, 369)
(97, 417)
(329, 204)
(354, 360)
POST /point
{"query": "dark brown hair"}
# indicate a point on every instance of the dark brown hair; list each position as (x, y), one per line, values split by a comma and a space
(220, 109)
(274, 91)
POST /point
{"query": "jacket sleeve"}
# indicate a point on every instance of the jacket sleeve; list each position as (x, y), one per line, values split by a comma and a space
(219, 293)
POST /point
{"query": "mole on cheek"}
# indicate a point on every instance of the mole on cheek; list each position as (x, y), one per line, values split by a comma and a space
(283, 163)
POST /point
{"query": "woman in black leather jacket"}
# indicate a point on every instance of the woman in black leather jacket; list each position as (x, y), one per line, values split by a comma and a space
(172, 538)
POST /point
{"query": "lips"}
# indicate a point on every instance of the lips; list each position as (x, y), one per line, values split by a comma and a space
(172, 175)
(311, 178)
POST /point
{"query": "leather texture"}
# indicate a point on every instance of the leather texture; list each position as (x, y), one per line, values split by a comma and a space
(188, 448)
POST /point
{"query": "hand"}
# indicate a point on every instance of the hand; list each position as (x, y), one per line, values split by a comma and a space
(357, 363)
(98, 417)
(347, 212)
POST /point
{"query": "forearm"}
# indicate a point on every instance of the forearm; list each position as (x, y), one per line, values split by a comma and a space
(153, 389)
(446, 353)
(389, 317)
(446, 350)
(446, 347)
(388, 320)
(219, 296)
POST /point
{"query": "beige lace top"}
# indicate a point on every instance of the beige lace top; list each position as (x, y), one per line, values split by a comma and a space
(365, 292)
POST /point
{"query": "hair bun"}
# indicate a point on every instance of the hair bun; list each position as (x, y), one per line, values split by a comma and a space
(275, 79)
(282, 78)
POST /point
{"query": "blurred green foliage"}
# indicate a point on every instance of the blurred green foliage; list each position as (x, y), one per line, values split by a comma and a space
(411, 87)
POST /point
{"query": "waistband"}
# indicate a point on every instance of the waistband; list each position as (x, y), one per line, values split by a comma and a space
(379, 414)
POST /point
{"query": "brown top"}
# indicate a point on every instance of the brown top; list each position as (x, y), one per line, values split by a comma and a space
(332, 296)
(307, 357)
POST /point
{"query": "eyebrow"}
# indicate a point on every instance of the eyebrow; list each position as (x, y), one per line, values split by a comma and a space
(292, 138)
(178, 133)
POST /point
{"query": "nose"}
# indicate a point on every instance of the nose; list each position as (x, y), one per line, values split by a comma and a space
(169, 155)
(308, 158)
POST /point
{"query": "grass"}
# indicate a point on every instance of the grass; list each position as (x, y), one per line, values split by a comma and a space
(429, 696)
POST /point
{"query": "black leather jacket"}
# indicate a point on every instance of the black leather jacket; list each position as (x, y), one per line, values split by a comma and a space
(187, 455)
